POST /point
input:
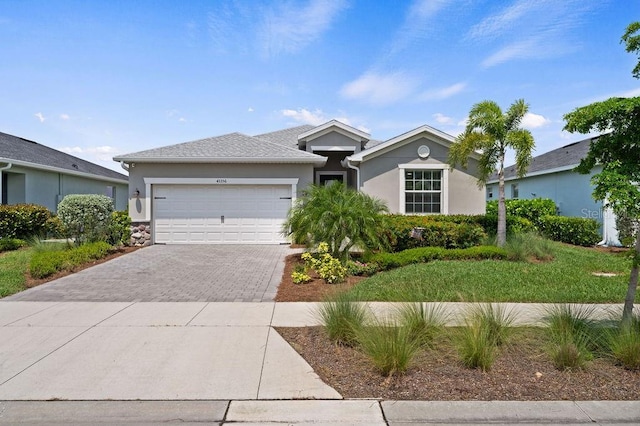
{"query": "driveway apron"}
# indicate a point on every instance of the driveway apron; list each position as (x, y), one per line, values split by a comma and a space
(174, 273)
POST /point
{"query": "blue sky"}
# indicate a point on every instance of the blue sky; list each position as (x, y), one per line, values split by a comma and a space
(103, 78)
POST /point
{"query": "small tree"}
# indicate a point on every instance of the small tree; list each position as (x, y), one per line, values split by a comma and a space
(491, 132)
(86, 217)
(338, 216)
(617, 150)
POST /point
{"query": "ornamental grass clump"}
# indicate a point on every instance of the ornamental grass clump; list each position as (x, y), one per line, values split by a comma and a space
(342, 318)
(624, 343)
(424, 322)
(529, 246)
(574, 335)
(390, 346)
(487, 327)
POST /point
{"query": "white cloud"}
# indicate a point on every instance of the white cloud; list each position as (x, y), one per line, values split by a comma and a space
(64, 117)
(40, 117)
(530, 48)
(380, 89)
(442, 119)
(93, 154)
(533, 121)
(250, 109)
(305, 116)
(443, 93)
(291, 27)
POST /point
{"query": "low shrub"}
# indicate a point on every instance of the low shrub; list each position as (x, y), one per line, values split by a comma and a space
(48, 258)
(9, 244)
(386, 261)
(327, 267)
(342, 317)
(406, 232)
(119, 228)
(300, 277)
(23, 220)
(515, 224)
(357, 268)
(627, 228)
(390, 347)
(572, 230)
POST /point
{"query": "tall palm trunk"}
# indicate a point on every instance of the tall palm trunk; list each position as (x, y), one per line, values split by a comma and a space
(502, 208)
(633, 283)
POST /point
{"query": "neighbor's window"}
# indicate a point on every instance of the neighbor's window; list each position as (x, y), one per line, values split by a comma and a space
(514, 190)
(489, 191)
(423, 191)
(111, 192)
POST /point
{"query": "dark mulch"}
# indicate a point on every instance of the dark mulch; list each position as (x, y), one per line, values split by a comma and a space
(523, 372)
(313, 291)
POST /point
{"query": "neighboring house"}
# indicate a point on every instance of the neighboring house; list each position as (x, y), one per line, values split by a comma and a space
(238, 189)
(36, 174)
(551, 175)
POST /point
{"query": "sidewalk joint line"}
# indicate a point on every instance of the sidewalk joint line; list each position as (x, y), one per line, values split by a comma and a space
(196, 314)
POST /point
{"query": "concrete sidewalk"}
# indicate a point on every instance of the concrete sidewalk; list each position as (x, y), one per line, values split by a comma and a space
(221, 362)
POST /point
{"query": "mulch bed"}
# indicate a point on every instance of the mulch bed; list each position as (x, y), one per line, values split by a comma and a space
(522, 372)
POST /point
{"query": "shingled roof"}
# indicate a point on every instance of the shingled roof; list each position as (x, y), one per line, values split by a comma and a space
(229, 148)
(563, 158)
(20, 151)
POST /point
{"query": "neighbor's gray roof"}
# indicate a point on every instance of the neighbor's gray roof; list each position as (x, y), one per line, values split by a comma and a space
(567, 156)
(21, 151)
(233, 147)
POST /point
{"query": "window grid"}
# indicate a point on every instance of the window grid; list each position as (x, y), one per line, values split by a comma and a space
(423, 191)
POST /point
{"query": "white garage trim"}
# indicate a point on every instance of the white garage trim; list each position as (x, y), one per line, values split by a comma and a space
(148, 182)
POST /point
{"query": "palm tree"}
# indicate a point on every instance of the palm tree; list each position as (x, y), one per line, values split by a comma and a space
(339, 216)
(491, 132)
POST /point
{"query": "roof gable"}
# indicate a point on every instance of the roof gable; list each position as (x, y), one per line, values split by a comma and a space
(20, 151)
(231, 148)
(436, 135)
(333, 126)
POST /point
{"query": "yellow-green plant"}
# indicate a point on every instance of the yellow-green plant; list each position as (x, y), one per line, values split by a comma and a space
(300, 277)
(328, 267)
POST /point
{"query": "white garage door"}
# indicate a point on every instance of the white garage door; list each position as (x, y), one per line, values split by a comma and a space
(219, 214)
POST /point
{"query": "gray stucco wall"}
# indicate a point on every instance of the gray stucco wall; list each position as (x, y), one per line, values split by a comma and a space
(137, 206)
(48, 188)
(380, 177)
(570, 191)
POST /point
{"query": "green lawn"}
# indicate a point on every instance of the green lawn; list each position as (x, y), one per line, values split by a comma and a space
(566, 279)
(13, 266)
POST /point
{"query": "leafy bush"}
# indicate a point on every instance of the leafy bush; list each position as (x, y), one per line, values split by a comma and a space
(86, 217)
(300, 277)
(432, 231)
(515, 224)
(532, 210)
(390, 347)
(47, 261)
(8, 244)
(572, 230)
(426, 254)
(357, 268)
(54, 228)
(627, 228)
(119, 228)
(23, 220)
(342, 317)
(328, 267)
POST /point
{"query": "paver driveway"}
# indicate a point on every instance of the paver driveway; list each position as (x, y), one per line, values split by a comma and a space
(174, 273)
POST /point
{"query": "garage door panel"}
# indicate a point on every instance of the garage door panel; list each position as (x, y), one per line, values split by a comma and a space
(192, 214)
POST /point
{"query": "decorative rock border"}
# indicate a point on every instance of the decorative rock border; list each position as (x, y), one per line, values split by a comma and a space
(140, 234)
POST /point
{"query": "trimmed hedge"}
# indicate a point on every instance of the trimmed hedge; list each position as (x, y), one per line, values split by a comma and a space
(9, 244)
(533, 210)
(86, 217)
(386, 261)
(47, 262)
(572, 230)
(434, 232)
(120, 228)
(23, 220)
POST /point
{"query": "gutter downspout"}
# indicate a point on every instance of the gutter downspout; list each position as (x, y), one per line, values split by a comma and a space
(6, 167)
(124, 165)
(346, 162)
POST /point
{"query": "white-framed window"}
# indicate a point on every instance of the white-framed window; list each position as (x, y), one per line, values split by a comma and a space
(326, 177)
(423, 189)
(490, 191)
(514, 191)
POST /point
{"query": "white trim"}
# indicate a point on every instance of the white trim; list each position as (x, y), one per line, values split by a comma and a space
(320, 161)
(444, 191)
(332, 148)
(327, 172)
(149, 181)
(320, 130)
(538, 173)
(64, 171)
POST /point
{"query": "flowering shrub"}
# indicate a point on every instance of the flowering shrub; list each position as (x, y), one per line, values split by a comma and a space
(328, 267)
(86, 217)
(300, 277)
